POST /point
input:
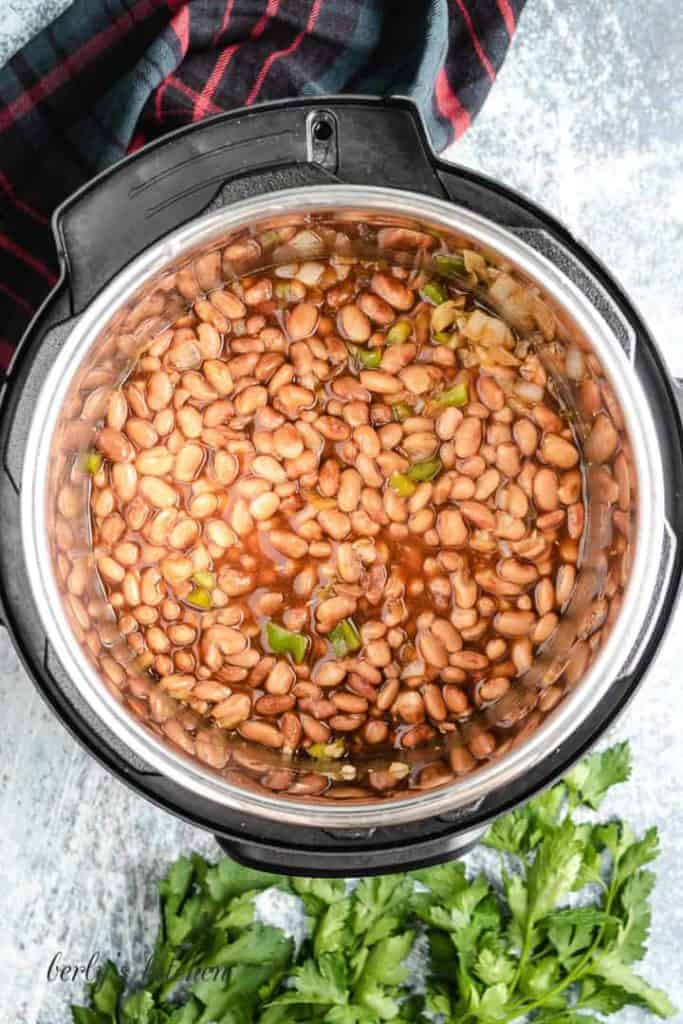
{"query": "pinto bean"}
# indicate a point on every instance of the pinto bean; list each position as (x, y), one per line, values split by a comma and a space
(189, 421)
(522, 573)
(481, 744)
(346, 723)
(392, 291)
(261, 732)
(507, 459)
(468, 437)
(485, 486)
(432, 649)
(409, 706)
(564, 584)
(448, 422)
(622, 477)
(461, 760)
(114, 445)
(336, 524)
(379, 311)
(387, 694)
(417, 736)
(188, 461)
(354, 324)
(301, 321)
(478, 514)
(268, 468)
(350, 486)
(274, 705)
(417, 378)
(157, 492)
(334, 609)
(451, 528)
(434, 703)
(575, 520)
(557, 451)
(490, 393)
(602, 440)
(375, 732)
(544, 627)
(514, 623)
(124, 479)
(141, 432)
(380, 382)
(545, 490)
(525, 434)
(260, 468)
(348, 563)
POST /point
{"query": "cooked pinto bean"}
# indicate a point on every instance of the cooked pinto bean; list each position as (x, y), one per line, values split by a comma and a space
(392, 291)
(514, 623)
(468, 437)
(559, 452)
(337, 507)
(354, 324)
(301, 320)
(545, 490)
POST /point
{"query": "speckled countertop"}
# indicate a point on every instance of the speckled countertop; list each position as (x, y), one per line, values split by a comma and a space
(21, 20)
(587, 118)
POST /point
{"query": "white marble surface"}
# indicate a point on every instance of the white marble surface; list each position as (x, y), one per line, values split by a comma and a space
(21, 20)
(587, 118)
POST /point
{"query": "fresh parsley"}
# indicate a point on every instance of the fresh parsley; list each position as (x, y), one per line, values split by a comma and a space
(551, 937)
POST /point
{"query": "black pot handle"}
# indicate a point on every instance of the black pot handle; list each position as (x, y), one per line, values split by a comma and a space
(230, 157)
(343, 861)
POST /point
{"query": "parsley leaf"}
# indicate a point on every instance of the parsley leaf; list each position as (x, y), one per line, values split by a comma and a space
(228, 879)
(571, 932)
(550, 938)
(612, 969)
(635, 913)
(332, 931)
(493, 966)
(105, 993)
(442, 881)
(553, 872)
(590, 780)
(383, 969)
(379, 906)
(318, 983)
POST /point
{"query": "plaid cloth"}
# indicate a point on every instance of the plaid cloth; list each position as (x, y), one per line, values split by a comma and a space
(110, 75)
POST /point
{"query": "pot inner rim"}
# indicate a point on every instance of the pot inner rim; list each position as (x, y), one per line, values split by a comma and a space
(574, 709)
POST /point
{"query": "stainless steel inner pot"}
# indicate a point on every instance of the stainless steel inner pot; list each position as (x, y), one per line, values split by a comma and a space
(90, 341)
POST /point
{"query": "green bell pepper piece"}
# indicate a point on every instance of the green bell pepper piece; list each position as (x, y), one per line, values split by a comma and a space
(425, 470)
(91, 462)
(399, 332)
(432, 291)
(200, 597)
(402, 484)
(284, 641)
(457, 395)
(345, 638)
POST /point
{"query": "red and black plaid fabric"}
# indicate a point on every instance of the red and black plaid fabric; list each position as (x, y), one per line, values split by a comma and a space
(110, 75)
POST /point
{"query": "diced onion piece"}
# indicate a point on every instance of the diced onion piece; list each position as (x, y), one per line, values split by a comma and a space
(309, 273)
(514, 302)
(444, 315)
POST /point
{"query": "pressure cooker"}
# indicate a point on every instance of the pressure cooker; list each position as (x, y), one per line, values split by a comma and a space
(117, 238)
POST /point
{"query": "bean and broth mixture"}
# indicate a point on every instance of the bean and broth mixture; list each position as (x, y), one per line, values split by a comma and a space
(337, 508)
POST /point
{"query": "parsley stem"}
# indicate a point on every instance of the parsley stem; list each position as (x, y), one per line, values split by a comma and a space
(524, 955)
(561, 1014)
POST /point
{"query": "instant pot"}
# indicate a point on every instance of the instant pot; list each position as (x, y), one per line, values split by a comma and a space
(179, 196)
